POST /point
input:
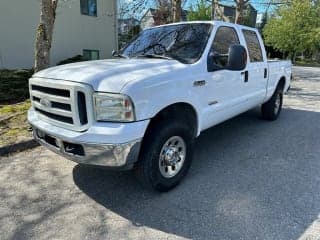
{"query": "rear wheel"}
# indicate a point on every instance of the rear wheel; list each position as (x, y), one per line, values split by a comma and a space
(272, 109)
(166, 155)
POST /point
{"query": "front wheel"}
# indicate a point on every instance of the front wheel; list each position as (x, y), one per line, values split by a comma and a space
(271, 109)
(166, 155)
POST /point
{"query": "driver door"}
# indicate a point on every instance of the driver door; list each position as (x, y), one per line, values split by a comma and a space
(224, 89)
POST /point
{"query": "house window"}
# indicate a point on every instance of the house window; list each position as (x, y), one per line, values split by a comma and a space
(91, 54)
(88, 7)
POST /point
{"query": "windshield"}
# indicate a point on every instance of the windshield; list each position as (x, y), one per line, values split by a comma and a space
(182, 42)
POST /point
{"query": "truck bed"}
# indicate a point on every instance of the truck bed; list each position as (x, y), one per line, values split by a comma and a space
(277, 70)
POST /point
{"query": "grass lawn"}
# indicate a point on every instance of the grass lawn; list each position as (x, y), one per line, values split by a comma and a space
(13, 123)
(307, 64)
(14, 105)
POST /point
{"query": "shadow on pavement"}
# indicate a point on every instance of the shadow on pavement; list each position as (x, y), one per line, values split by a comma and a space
(250, 179)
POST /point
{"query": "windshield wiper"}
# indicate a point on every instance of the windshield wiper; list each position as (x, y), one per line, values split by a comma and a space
(154, 56)
(117, 54)
(120, 56)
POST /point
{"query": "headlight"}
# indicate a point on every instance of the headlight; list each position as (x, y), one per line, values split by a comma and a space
(113, 107)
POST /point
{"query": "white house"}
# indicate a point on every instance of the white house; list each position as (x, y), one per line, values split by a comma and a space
(85, 27)
(259, 19)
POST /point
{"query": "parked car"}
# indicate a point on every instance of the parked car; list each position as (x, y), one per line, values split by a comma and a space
(144, 110)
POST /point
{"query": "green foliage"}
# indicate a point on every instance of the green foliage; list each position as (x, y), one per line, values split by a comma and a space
(134, 31)
(13, 123)
(247, 19)
(265, 18)
(14, 85)
(201, 11)
(125, 38)
(294, 28)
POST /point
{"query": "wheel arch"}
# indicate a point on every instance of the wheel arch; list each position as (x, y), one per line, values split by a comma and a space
(178, 110)
(282, 82)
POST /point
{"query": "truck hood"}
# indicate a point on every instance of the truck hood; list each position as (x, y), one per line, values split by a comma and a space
(110, 75)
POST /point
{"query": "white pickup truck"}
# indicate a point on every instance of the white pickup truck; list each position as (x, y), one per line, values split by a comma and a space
(144, 110)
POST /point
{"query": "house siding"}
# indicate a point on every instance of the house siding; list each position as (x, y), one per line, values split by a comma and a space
(147, 20)
(73, 31)
(230, 13)
(151, 18)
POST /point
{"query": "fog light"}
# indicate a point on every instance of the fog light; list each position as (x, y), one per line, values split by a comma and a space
(40, 134)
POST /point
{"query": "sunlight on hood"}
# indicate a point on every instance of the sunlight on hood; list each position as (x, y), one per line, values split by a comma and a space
(110, 75)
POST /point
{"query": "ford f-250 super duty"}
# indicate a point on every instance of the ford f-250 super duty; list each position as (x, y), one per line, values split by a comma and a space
(143, 110)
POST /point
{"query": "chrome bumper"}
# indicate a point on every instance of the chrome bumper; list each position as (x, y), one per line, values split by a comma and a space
(121, 156)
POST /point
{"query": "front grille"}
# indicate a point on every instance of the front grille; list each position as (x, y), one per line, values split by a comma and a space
(63, 106)
(62, 103)
(52, 91)
(82, 108)
(55, 116)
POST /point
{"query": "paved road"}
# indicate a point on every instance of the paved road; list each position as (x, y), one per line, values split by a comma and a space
(251, 179)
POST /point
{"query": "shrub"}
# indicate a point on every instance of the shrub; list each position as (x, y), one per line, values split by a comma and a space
(14, 85)
(78, 58)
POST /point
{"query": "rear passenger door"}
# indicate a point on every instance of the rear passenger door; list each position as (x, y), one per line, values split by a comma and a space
(256, 72)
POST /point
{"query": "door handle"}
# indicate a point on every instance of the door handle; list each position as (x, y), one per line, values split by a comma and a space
(246, 76)
(265, 73)
(199, 83)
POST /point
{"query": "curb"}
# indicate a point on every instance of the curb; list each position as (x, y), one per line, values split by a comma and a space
(18, 147)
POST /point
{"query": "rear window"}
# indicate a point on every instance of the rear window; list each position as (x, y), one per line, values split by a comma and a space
(253, 44)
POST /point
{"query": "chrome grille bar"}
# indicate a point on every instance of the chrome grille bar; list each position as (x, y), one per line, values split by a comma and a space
(56, 111)
(50, 97)
(56, 101)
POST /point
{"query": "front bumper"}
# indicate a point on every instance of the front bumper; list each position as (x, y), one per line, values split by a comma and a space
(106, 155)
(119, 150)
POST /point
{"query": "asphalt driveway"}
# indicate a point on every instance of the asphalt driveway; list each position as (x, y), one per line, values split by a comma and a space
(250, 179)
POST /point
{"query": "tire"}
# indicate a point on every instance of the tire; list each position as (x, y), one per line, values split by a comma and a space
(272, 109)
(158, 152)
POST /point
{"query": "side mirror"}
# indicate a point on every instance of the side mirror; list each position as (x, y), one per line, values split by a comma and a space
(237, 59)
(212, 60)
(114, 52)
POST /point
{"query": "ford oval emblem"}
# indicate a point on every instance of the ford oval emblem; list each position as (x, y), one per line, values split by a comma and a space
(45, 102)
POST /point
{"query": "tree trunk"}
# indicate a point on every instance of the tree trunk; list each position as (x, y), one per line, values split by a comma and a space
(216, 12)
(176, 10)
(44, 34)
(240, 5)
(293, 57)
(239, 16)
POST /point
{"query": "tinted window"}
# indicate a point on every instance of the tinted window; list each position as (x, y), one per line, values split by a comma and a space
(253, 45)
(88, 7)
(224, 38)
(183, 42)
